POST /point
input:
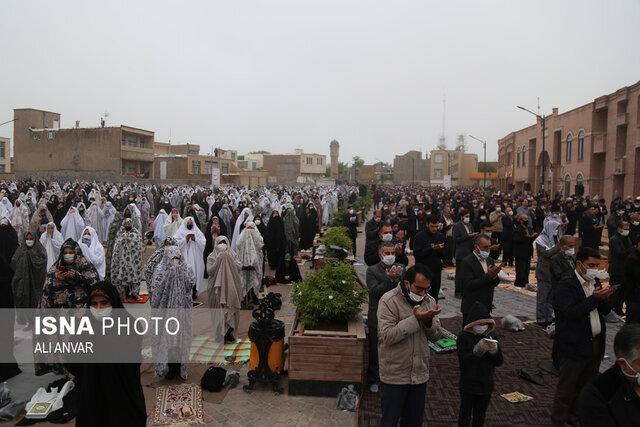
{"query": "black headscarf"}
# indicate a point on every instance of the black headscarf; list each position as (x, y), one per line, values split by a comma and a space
(8, 246)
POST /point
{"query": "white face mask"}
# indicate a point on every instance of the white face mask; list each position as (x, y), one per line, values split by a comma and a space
(29, 243)
(624, 233)
(222, 246)
(466, 219)
(387, 237)
(636, 223)
(570, 252)
(480, 329)
(257, 222)
(68, 258)
(99, 313)
(389, 259)
(591, 274)
(637, 374)
(483, 217)
(498, 209)
(415, 297)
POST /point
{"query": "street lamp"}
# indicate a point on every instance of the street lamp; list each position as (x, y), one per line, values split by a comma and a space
(484, 148)
(8, 121)
(543, 119)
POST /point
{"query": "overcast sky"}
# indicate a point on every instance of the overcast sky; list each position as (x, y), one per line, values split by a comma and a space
(279, 75)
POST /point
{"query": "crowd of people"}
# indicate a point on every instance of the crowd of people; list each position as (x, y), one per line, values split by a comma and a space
(480, 232)
(82, 244)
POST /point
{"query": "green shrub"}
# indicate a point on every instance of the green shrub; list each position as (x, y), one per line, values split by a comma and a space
(336, 236)
(329, 295)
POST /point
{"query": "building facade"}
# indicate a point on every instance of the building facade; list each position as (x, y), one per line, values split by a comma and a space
(593, 149)
(411, 168)
(299, 168)
(251, 161)
(41, 147)
(456, 163)
(5, 155)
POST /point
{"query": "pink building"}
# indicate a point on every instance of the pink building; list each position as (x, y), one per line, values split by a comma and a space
(595, 147)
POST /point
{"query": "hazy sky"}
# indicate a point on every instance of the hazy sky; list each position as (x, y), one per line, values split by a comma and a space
(278, 75)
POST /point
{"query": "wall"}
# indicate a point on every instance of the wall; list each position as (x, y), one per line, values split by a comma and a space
(318, 164)
(282, 168)
(5, 158)
(411, 167)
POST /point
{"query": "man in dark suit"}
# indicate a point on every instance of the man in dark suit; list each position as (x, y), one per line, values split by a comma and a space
(562, 263)
(620, 247)
(580, 302)
(381, 278)
(590, 228)
(463, 233)
(429, 249)
(479, 275)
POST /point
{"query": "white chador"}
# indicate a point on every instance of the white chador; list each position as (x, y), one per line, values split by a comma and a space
(192, 249)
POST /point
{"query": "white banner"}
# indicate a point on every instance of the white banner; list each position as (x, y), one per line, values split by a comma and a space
(446, 181)
(215, 177)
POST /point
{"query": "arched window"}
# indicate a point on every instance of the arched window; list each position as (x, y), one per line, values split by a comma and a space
(524, 154)
(518, 158)
(567, 186)
(581, 145)
(579, 179)
(569, 143)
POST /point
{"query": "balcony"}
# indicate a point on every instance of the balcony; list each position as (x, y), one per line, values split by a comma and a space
(620, 166)
(137, 154)
(601, 103)
(622, 119)
(599, 142)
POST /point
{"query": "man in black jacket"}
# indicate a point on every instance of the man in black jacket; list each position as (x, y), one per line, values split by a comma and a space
(479, 274)
(384, 234)
(562, 263)
(429, 249)
(613, 398)
(522, 250)
(351, 223)
(590, 228)
(620, 248)
(463, 234)
(580, 302)
(632, 290)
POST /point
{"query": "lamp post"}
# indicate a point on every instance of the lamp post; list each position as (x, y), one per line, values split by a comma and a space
(543, 119)
(8, 121)
(484, 148)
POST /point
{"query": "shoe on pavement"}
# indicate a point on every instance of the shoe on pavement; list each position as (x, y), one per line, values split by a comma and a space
(373, 388)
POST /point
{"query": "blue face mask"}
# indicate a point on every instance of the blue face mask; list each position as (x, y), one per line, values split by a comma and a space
(86, 241)
(484, 254)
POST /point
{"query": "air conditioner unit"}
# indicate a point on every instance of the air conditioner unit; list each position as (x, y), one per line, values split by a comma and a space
(50, 135)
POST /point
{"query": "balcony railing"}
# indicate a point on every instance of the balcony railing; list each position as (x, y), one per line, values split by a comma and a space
(599, 142)
(135, 153)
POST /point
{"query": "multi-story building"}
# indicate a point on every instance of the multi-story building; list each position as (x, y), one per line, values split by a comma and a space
(456, 163)
(42, 147)
(300, 168)
(5, 155)
(251, 161)
(411, 168)
(594, 148)
(185, 163)
(377, 173)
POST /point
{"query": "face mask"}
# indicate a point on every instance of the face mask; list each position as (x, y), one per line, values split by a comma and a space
(620, 213)
(637, 374)
(466, 219)
(484, 254)
(498, 209)
(257, 222)
(624, 233)
(29, 243)
(86, 240)
(591, 274)
(636, 223)
(389, 259)
(387, 237)
(487, 233)
(376, 219)
(393, 214)
(99, 313)
(222, 247)
(351, 211)
(509, 213)
(570, 252)
(415, 297)
(175, 262)
(190, 226)
(68, 258)
(480, 329)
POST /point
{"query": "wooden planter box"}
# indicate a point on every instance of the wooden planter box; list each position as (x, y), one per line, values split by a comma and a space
(321, 363)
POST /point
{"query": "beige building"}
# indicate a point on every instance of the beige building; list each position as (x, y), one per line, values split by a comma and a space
(185, 163)
(377, 173)
(251, 161)
(594, 147)
(300, 168)
(5, 155)
(457, 163)
(42, 147)
(411, 168)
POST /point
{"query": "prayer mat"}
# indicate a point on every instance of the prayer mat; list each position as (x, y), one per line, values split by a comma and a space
(178, 404)
(142, 299)
(439, 350)
(206, 350)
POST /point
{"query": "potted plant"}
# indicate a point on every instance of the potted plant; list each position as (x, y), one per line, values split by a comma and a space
(336, 241)
(326, 345)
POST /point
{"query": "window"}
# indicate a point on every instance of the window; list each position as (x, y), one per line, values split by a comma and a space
(581, 145)
(437, 173)
(567, 186)
(524, 153)
(569, 143)
(319, 161)
(195, 167)
(2, 150)
(309, 160)
(439, 158)
(254, 165)
(508, 157)
(580, 180)
(208, 165)
(50, 135)
(2, 169)
(225, 169)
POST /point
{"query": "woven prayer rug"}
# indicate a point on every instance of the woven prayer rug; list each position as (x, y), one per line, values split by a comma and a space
(206, 350)
(178, 404)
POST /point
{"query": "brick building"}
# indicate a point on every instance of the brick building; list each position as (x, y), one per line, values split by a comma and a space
(5, 155)
(456, 163)
(595, 147)
(411, 168)
(300, 168)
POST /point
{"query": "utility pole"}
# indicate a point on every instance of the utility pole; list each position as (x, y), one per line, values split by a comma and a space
(543, 119)
(484, 149)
